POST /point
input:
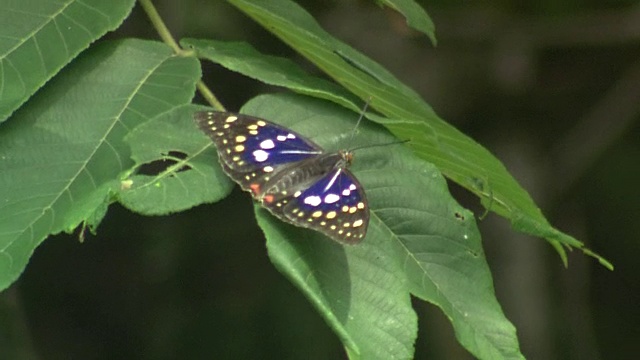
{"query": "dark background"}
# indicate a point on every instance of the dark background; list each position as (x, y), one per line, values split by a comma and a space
(551, 87)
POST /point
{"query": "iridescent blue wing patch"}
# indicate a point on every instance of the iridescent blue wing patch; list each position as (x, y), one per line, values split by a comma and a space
(252, 149)
(334, 205)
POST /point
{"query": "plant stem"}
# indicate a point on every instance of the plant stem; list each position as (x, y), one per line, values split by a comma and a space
(160, 26)
(168, 39)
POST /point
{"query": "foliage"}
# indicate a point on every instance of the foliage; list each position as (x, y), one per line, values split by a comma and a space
(80, 125)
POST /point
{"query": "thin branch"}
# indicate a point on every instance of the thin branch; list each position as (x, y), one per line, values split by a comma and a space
(167, 38)
(209, 96)
(160, 26)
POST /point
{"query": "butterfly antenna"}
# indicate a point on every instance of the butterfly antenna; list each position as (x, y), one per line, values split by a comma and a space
(353, 133)
(364, 110)
(383, 144)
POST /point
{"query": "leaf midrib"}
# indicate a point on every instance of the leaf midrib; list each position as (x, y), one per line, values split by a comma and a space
(84, 163)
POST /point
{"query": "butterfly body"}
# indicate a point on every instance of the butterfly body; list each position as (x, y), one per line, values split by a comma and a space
(292, 177)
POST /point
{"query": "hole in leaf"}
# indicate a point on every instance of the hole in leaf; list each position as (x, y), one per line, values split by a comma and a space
(168, 162)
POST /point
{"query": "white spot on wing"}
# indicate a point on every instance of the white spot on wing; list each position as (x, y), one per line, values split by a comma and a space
(260, 155)
(291, 136)
(331, 198)
(281, 138)
(313, 200)
(267, 144)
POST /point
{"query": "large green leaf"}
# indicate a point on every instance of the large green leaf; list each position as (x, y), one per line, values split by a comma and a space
(39, 37)
(409, 117)
(63, 152)
(420, 241)
(245, 59)
(183, 162)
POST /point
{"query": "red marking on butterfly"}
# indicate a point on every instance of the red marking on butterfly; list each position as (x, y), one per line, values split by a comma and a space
(255, 188)
(268, 198)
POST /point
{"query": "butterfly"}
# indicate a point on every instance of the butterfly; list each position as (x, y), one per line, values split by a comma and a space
(290, 175)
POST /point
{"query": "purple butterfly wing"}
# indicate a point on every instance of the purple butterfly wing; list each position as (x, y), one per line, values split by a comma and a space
(253, 150)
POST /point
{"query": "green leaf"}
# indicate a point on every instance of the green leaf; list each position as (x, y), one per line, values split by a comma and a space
(360, 290)
(243, 58)
(39, 37)
(63, 152)
(417, 18)
(420, 241)
(187, 179)
(409, 117)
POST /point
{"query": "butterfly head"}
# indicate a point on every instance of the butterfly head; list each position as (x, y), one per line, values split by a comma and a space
(346, 158)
